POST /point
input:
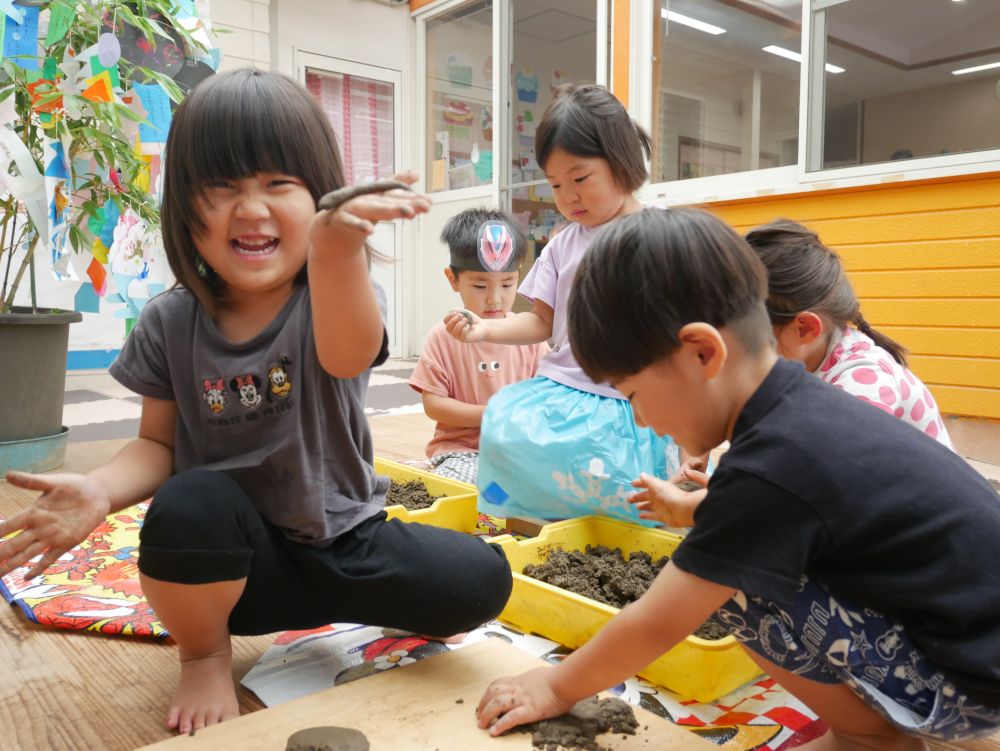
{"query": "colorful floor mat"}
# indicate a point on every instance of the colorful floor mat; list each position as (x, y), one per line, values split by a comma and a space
(93, 587)
(760, 716)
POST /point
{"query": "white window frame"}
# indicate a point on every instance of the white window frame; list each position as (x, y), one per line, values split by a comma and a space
(429, 12)
(793, 178)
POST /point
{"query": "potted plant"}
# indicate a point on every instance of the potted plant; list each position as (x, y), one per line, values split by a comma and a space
(71, 164)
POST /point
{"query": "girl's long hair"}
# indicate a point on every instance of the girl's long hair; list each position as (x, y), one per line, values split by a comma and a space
(804, 274)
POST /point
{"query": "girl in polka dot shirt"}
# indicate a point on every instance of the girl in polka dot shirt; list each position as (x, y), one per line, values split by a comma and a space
(817, 320)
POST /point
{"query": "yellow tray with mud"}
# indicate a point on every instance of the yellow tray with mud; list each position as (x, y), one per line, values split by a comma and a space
(697, 668)
(456, 509)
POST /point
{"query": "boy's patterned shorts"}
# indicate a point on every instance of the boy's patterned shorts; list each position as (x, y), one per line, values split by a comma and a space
(829, 640)
(457, 465)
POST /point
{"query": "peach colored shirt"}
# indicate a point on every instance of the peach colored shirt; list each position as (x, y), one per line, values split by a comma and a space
(470, 373)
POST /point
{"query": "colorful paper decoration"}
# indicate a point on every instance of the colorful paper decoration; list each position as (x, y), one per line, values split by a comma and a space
(86, 300)
(61, 17)
(157, 105)
(109, 50)
(99, 88)
(20, 43)
(98, 277)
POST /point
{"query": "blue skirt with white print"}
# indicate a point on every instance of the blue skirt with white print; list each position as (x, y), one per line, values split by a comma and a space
(549, 451)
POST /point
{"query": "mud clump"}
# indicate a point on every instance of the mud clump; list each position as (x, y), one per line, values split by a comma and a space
(606, 575)
(577, 730)
(411, 495)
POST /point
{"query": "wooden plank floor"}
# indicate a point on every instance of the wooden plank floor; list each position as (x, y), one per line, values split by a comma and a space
(69, 691)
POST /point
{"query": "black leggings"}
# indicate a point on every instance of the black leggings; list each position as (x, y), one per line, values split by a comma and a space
(201, 527)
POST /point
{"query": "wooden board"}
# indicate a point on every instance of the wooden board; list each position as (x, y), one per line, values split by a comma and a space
(416, 707)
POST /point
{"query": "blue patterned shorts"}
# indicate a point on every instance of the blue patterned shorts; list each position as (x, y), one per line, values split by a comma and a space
(828, 640)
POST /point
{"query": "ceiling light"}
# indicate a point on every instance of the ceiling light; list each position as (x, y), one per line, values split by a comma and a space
(694, 23)
(976, 69)
(782, 52)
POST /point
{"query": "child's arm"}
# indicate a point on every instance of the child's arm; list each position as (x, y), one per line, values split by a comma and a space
(522, 328)
(449, 411)
(71, 505)
(675, 605)
(347, 323)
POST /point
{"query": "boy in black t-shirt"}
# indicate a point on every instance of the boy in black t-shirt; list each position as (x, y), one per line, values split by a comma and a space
(855, 558)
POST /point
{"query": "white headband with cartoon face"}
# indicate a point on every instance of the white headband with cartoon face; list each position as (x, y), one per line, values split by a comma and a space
(495, 246)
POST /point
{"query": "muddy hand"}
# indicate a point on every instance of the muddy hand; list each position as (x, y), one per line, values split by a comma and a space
(509, 702)
(68, 509)
(464, 325)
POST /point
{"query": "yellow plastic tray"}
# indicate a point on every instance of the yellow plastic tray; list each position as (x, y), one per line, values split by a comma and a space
(455, 510)
(697, 668)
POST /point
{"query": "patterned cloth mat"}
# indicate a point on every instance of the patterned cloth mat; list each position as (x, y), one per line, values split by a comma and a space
(95, 587)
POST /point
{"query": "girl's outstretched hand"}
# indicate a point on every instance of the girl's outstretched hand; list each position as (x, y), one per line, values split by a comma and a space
(465, 326)
(667, 503)
(362, 210)
(513, 701)
(68, 510)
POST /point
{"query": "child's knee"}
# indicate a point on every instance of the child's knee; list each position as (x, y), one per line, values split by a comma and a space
(198, 507)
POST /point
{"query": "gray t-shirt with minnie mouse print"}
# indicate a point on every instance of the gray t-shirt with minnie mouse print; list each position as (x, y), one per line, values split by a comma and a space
(262, 411)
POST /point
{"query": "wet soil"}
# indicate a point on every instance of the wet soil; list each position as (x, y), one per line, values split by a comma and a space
(578, 729)
(605, 575)
(411, 494)
(327, 739)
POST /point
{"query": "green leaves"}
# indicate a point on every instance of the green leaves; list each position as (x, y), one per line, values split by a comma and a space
(97, 133)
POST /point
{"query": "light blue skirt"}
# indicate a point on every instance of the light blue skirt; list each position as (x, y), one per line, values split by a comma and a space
(549, 451)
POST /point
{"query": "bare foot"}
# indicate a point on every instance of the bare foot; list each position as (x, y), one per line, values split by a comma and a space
(205, 693)
(832, 741)
(453, 639)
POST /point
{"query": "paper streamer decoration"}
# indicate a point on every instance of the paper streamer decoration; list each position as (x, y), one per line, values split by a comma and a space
(29, 186)
(11, 10)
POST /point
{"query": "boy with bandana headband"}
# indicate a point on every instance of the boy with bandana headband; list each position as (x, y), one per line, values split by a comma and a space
(455, 380)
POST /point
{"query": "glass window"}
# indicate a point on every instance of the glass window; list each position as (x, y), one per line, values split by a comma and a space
(361, 112)
(721, 103)
(459, 98)
(554, 42)
(906, 79)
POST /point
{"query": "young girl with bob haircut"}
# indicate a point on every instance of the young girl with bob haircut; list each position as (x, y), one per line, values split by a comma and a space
(822, 545)
(817, 320)
(267, 513)
(562, 444)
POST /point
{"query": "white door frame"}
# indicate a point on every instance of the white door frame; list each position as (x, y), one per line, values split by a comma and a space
(303, 59)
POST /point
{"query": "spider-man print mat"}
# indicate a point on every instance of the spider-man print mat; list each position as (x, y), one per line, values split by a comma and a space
(94, 586)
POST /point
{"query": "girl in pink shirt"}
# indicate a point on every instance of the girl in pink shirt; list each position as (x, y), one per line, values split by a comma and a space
(817, 320)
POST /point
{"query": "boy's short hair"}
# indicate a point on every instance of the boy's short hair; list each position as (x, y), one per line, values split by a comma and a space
(648, 274)
(587, 120)
(484, 240)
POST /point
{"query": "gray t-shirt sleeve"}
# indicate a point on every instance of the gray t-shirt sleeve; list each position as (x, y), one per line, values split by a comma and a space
(141, 366)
